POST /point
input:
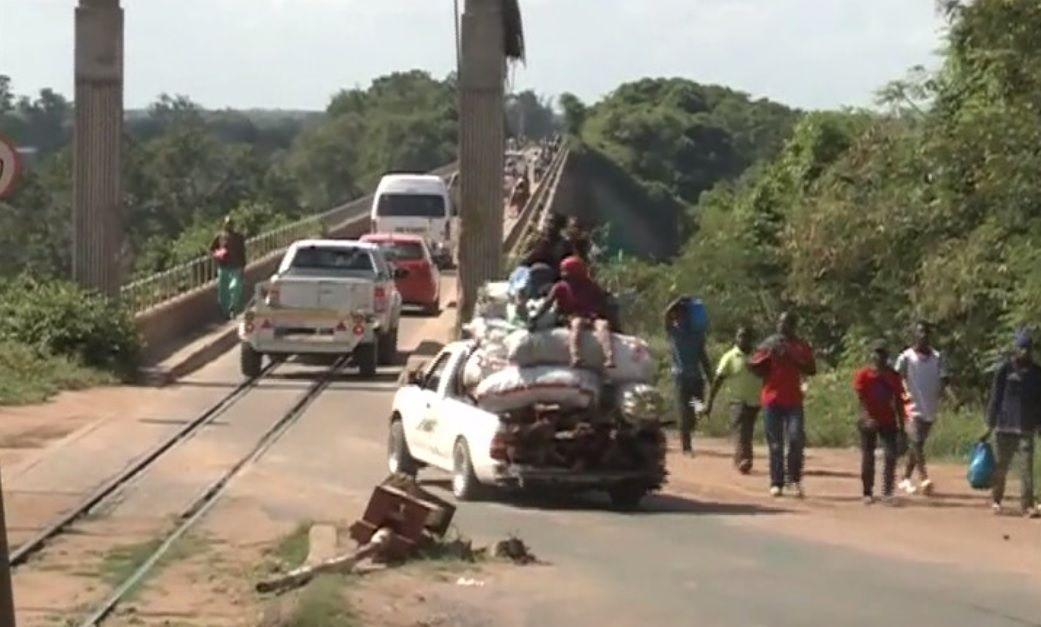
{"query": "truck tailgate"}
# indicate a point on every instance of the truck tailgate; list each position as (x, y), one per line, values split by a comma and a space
(340, 294)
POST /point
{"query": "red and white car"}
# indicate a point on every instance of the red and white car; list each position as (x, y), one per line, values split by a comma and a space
(420, 283)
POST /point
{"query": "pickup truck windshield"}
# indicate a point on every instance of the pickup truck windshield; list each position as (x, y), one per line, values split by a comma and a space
(355, 261)
(411, 206)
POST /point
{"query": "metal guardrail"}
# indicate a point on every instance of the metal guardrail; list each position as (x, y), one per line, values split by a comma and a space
(530, 219)
(149, 292)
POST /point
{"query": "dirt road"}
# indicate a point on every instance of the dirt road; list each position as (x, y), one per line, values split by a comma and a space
(712, 549)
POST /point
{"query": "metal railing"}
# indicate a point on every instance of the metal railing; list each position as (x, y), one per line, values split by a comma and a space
(528, 223)
(197, 274)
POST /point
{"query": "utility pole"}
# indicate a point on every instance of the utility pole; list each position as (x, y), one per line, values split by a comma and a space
(482, 73)
(6, 591)
(97, 234)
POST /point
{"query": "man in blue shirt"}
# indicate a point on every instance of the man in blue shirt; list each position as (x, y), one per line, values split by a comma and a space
(690, 365)
(1013, 416)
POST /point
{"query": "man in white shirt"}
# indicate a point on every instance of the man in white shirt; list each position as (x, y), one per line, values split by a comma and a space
(922, 370)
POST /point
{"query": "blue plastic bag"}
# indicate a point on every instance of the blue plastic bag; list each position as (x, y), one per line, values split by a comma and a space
(981, 466)
(698, 315)
(518, 281)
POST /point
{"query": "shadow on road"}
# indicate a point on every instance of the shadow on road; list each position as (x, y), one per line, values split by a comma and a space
(659, 503)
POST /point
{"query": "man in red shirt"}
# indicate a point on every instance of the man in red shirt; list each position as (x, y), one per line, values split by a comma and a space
(782, 361)
(583, 304)
(878, 388)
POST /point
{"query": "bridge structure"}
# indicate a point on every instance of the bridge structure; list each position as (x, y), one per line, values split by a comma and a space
(175, 305)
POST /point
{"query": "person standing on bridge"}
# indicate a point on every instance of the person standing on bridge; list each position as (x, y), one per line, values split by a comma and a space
(744, 396)
(879, 389)
(1014, 416)
(229, 250)
(782, 361)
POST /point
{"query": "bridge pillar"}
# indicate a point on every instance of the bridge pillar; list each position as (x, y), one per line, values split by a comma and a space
(482, 74)
(97, 233)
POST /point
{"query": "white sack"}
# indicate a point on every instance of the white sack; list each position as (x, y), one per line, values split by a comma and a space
(515, 388)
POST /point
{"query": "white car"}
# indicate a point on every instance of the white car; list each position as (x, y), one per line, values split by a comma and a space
(435, 423)
(331, 297)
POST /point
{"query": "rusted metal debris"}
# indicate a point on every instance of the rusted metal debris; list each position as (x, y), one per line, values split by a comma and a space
(402, 520)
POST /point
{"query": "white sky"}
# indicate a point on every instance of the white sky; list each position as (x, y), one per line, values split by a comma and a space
(297, 53)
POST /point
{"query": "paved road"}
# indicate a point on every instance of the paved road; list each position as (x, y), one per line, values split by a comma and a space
(680, 562)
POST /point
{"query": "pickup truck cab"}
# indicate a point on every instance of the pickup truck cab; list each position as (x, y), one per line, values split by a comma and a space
(331, 297)
(435, 423)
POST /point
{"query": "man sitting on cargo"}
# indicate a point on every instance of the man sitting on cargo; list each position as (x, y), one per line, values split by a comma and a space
(581, 302)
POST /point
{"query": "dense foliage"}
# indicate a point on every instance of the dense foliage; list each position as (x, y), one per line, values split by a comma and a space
(867, 222)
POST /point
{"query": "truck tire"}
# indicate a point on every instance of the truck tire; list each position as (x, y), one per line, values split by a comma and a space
(365, 358)
(250, 361)
(388, 348)
(399, 459)
(626, 497)
(465, 485)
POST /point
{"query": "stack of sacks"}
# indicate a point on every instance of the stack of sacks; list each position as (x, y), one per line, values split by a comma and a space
(515, 387)
(492, 299)
(632, 356)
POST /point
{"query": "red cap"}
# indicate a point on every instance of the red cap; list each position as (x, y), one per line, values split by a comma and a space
(574, 267)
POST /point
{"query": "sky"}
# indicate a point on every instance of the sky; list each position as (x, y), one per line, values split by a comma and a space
(296, 54)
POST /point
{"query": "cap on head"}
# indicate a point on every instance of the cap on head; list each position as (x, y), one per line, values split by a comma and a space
(879, 346)
(574, 267)
(1023, 341)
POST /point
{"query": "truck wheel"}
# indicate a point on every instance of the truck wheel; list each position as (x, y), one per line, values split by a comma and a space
(626, 498)
(365, 358)
(250, 361)
(465, 486)
(388, 348)
(399, 459)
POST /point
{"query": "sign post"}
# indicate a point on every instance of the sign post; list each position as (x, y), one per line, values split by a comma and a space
(10, 166)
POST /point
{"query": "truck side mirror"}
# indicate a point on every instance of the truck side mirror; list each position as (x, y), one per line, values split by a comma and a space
(400, 273)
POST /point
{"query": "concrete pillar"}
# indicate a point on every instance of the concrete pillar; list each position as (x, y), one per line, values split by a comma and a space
(97, 185)
(6, 593)
(482, 74)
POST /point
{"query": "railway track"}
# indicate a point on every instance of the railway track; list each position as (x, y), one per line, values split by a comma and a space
(211, 495)
(57, 526)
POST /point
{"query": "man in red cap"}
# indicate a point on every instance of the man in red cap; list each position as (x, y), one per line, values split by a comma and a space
(583, 303)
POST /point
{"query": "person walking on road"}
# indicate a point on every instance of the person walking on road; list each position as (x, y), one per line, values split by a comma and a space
(229, 250)
(922, 369)
(690, 366)
(1013, 418)
(744, 396)
(782, 361)
(879, 390)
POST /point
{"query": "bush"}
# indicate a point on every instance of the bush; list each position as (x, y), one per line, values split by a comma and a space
(57, 318)
(26, 376)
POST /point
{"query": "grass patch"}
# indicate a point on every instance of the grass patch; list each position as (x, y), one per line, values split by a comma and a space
(120, 563)
(27, 376)
(322, 603)
(292, 549)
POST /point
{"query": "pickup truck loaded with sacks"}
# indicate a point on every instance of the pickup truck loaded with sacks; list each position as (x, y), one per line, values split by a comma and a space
(504, 408)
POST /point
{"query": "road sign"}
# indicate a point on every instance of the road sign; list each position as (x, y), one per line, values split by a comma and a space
(10, 166)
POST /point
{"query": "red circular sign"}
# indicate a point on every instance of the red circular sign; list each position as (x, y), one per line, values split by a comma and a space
(10, 166)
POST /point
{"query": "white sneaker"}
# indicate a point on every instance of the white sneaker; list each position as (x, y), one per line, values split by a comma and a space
(996, 508)
(775, 491)
(868, 500)
(890, 500)
(926, 487)
(799, 492)
(907, 486)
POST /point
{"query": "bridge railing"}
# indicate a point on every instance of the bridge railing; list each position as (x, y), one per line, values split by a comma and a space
(154, 290)
(520, 233)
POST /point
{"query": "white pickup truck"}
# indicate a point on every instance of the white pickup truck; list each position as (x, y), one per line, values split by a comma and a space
(434, 422)
(330, 297)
